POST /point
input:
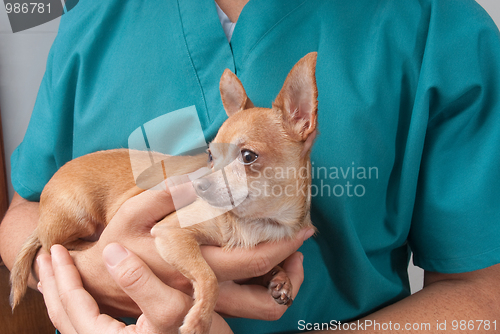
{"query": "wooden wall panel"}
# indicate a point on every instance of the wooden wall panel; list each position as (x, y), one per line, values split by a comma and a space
(30, 316)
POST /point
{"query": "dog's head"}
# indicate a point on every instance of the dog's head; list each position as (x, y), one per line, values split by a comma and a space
(261, 154)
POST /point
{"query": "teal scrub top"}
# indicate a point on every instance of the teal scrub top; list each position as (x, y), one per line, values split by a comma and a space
(407, 158)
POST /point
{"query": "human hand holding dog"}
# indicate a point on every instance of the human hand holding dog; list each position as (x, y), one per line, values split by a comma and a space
(131, 227)
(73, 310)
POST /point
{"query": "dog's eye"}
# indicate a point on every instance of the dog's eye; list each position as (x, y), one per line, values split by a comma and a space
(248, 157)
(210, 158)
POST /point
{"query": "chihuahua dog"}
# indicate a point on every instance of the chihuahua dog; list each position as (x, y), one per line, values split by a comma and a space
(83, 196)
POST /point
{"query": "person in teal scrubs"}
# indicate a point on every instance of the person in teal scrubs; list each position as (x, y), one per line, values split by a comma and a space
(406, 160)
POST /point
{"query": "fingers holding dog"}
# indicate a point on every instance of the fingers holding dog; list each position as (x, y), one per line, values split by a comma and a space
(48, 287)
(247, 263)
(152, 205)
(256, 301)
(139, 282)
(73, 310)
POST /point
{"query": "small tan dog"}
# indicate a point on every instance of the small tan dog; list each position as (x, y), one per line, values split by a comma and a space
(84, 194)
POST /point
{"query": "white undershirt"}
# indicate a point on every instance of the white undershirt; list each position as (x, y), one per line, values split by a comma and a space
(227, 25)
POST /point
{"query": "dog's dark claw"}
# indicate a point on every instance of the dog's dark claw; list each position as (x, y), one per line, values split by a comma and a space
(280, 288)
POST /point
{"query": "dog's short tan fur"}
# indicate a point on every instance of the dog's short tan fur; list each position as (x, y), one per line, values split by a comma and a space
(83, 195)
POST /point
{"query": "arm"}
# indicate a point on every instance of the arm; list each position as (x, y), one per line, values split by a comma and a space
(19, 222)
(472, 296)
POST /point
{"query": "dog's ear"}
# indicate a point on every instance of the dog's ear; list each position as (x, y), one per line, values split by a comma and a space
(298, 99)
(233, 95)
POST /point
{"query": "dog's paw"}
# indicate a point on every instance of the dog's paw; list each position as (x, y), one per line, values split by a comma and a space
(280, 287)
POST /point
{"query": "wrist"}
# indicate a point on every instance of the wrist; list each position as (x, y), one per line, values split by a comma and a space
(88, 263)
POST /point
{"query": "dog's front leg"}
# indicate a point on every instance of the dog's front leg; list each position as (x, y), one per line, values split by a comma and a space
(180, 248)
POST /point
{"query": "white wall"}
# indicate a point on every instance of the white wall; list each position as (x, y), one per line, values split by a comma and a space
(493, 8)
(22, 64)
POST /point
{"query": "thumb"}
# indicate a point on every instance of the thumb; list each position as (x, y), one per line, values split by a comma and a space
(156, 203)
(163, 306)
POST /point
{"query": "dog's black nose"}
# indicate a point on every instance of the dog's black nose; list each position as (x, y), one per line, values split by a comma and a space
(201, 185)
